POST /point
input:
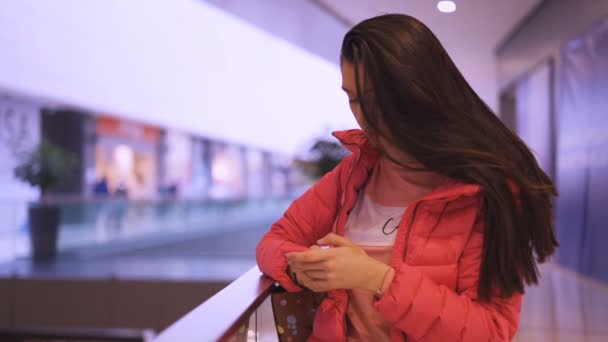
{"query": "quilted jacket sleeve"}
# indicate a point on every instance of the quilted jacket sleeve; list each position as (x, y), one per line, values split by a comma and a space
(308, 219)
(426, 311)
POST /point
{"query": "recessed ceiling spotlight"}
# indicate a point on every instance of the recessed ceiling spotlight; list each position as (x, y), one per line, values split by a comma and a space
(446, 6)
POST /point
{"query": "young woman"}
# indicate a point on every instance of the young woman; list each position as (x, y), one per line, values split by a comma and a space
(436, 220)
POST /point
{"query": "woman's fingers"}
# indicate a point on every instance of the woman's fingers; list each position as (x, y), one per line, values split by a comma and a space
(304, 280)
(316, 275)
(336, 240)
(309, 257)
(316, 285)
(318, 266)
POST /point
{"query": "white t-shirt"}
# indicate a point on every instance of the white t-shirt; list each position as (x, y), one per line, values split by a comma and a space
(373, 227)
(372, 224)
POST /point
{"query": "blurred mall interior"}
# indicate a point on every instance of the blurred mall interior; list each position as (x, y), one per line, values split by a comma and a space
(182, 129)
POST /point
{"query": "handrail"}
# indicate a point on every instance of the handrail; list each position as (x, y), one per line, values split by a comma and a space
(226, 310)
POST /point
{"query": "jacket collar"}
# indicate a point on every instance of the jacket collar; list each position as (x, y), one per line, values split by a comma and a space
(353, 139)
(356, 141)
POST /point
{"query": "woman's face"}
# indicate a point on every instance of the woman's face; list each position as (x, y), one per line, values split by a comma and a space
(349, 85)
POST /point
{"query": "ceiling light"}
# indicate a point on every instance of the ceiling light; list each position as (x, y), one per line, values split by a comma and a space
(446, 6)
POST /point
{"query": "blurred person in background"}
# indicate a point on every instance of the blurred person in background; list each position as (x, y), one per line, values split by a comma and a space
(120, 206)
(100, 188)
(434, 224)
(101, 193)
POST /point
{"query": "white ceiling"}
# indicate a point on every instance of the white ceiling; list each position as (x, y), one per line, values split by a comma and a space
(478, 22)
(470, 34)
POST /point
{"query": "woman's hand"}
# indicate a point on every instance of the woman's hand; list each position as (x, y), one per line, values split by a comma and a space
(343, 266)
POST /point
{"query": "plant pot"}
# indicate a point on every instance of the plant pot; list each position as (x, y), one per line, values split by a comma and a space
(44, 229)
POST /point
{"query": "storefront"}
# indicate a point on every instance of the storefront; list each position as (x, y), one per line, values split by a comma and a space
(176, 178)
(279, 176)
(126, 158)
(258, 178)
(228, 172)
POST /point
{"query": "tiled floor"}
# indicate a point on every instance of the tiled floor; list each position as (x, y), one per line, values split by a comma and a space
(565, 307)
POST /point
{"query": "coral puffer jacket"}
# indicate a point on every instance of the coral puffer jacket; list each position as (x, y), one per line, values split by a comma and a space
(436, 257)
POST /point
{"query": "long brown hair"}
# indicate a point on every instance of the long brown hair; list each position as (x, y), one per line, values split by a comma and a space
(430, 111)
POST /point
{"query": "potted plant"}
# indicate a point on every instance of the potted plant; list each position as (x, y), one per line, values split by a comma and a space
(43, 167)
(323, 156)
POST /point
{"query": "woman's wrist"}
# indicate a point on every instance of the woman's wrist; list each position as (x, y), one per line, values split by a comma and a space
(378, 272)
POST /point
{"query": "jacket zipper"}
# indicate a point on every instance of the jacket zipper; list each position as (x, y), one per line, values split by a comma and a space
(342, 192)
(343, 202)
(407, 242)
(409, 231)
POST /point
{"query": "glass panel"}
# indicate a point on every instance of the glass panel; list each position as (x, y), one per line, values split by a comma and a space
(100, 222)
(266, 326)
(14, 240)
(259, 326)
(246, 330)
